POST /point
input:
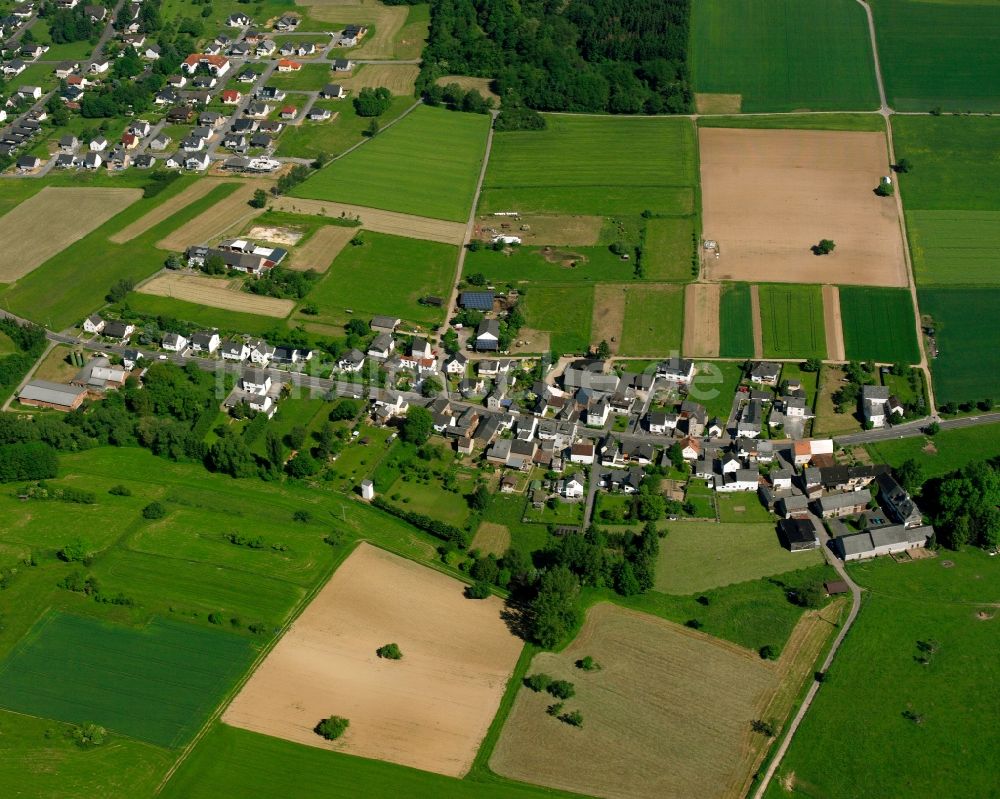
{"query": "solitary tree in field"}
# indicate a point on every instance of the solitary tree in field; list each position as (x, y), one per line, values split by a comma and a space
(389, 652)
(332, 728)
(903, 165)
(825, 247)
(259, 199)
(762, 727)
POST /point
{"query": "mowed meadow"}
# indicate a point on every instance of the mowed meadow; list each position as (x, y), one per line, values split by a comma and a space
(594, 165)
(782, 55)
(426, 164)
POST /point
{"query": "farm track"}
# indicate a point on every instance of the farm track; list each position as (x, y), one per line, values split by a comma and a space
(833, 323)
(758, 329)
(377, 220)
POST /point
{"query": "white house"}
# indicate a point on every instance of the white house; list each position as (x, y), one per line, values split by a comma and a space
(582, 453)
(93, 324)
(455, 364)
(352, 361)
(174, 342)
(740, 480)
(261, 352)
(207, 341)
(572, 487)
(874, 403)
(234, 351)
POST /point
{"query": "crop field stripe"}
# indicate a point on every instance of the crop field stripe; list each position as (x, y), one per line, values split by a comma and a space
(793, 321)
(879, 325)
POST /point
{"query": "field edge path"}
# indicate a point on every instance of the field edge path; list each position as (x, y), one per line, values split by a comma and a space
(758, 328)
(833, 323)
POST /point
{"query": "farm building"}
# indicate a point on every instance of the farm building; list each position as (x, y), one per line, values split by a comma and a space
(835, 506)
(798, 534)
(476, 300)
(46, 394)
(488, 335)
(882, 541)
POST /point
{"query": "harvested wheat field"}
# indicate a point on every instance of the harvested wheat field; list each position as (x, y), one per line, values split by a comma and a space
(701, 320)
(608, 315)
(429, 710)
(216, 293)
(232, 211)
(718, 103)
(49, 222)
(833, 324)
(321, 248)
(491, 538)
(397, 78)
(466, 82)
(165, 210)
(768, 196)
(667, 715)
(414, 227)
(387, 21)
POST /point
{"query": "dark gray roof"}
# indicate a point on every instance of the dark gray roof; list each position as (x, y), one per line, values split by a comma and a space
(477, 300)
(47, 391)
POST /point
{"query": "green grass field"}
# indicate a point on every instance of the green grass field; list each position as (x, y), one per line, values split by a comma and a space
(360, 278)
(735, 321)
(876, 678)
(42, 760)
(946, 452)
(563, 311)
(784, 55)
(427, 164)
(878, 324)
(528, 265)
(939, 54)
(668, 249)
(33, 297)
(954, 162)
(954, 248)
(696, 556)
(203, 315)
(157, 684)
(737, 507)
(792, 321)
(968, 363)
(6, 345)
(232, 762)
(809, 380)
(872, 123)
(594, 165)
(334, 136)
(654, 320)
(311, 78)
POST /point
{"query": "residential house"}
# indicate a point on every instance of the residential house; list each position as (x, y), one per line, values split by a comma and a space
(352, 361)
(382, 346)
(28, 163)
(456, 364)
(318, 114)
(739, 480)
(765, 373)
(676, 370)
(572, 487)
(287, 65)
(66, 161)
(661, 423)
(690, 448)
(160, 142)
(874, 402)
(261, 352)
(792, 507)
(287, 22)
(234, 350)
(897, 503)
(582, 453)
(232, 97)
(205, 341)
(265, 48)
(93, 324)
(798, 535)
(217, 65)
(289, 112)
(751, 420)
(197, 162)
(332, 91)
(834, 506)
(92, 161)
(342, 65)
(238, 20)
(488, 336)
(351, 35)
(257, 391)
(99, 375)
(174, 342)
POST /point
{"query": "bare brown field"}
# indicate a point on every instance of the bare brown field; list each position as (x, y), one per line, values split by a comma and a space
(216, 293)
(530, 340)
(718, 103)
(285, 236)
(491, 538)
(554, 230)
(666, 717)
(414, 227)
(388, 20)
(46, 224)
(321, 248)
(758, 327)
(833, 323)
(770, 195)
(608, 315)
(228, 212)
(397, 78)
(481, 85)
(429, 710)
(701, 320)
(164, 210)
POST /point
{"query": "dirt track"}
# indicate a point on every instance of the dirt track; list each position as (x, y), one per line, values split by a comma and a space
(758, 328)
(225, 214)
(833, 324)
(414, 227)
(216, 293)
(52, 220)
(701, 320)
(608, 315)
(770, 195)
(165, 210)
(429, 710)
(321, 248)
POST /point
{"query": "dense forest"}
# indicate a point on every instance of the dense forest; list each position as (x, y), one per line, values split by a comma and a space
(622, 56)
